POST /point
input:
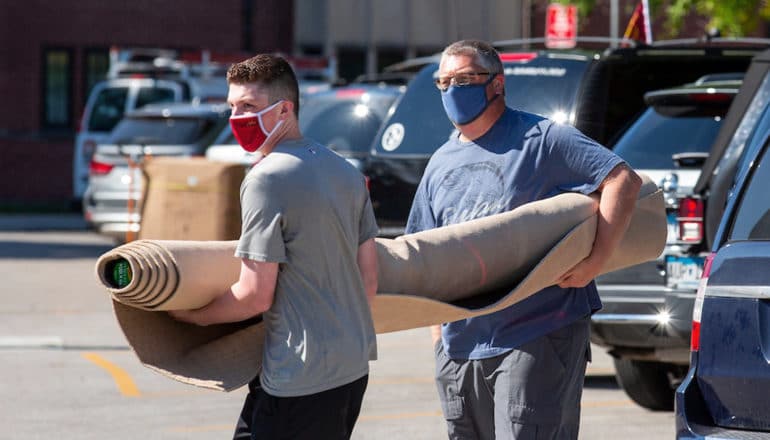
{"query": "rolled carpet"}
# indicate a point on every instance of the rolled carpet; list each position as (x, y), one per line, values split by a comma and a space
(435, 276)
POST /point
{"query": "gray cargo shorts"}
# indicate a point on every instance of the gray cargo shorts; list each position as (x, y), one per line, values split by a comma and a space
(532, 392)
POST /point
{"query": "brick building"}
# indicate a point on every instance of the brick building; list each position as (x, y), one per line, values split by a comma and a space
(52, 52)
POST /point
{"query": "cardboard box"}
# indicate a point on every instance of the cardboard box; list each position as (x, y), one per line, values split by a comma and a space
(191, 198)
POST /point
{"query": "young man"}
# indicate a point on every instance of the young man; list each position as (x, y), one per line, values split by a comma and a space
(517, 373)
(309, 266)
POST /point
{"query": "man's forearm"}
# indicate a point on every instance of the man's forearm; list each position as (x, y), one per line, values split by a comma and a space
(616, 207)
(232, 306)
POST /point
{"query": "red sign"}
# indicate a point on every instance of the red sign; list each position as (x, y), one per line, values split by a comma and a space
(561, 26)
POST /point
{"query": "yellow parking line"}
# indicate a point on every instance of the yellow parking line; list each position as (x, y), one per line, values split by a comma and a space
(123, 381)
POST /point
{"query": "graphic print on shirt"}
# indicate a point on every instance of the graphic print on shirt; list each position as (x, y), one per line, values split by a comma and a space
(472, 191)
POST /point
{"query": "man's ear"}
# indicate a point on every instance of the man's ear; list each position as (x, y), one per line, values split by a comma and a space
(287, 107)
(500, 84)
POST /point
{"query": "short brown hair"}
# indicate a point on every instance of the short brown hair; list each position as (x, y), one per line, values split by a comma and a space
(271, 72)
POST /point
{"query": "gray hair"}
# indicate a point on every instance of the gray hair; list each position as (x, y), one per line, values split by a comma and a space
(482, 53)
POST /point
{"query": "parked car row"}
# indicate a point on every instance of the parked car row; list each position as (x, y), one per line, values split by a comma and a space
(345, 118)
(599, 92)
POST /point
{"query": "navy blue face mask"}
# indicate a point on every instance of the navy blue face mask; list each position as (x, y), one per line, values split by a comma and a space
(463, 104)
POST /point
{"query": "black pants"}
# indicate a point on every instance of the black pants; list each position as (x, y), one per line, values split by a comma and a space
(326, 415)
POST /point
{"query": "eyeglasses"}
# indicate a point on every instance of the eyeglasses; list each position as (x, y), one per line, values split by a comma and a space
(461, 79)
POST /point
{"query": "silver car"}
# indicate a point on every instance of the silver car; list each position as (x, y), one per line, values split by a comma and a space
(112, 201)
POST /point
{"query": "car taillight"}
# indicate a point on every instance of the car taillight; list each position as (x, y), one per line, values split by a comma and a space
(690, 220)
(698, 306)
(368, 181)
(349, 93)
(99, 168)
(508, 57)
(712, 97)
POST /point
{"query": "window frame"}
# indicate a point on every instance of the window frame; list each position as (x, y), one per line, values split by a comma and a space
(762, 158)
(87, 52)
(45, 123)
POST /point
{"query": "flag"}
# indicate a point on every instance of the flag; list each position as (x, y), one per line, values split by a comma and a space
(639, 25)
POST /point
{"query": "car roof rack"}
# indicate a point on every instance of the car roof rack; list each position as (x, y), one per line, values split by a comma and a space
(585, 40)
(713, 40)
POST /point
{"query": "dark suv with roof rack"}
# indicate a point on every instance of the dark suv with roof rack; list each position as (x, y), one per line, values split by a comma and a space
(597, 92)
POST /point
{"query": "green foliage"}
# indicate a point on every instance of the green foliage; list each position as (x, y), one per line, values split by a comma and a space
(733, 18)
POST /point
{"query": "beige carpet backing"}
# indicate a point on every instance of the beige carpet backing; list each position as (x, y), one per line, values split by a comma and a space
(435, 276)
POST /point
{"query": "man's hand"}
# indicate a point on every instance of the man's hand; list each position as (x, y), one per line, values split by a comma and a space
(581, 274)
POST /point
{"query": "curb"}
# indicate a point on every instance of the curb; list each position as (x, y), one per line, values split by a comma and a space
(42, 222)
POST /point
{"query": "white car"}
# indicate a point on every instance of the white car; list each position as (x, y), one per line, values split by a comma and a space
(108, 102)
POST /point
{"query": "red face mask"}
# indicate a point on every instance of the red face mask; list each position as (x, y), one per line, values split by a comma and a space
(249, 130)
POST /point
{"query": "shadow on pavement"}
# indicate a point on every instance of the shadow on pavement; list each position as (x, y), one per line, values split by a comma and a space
(602, 382)
(31, 250)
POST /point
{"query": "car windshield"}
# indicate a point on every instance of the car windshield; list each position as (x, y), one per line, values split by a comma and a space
(653, 138)
(345, 125)
(149, 95)
(160, 131)
(108, 109)
(546, 86)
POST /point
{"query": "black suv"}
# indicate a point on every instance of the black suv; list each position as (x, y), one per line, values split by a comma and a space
(597, 92)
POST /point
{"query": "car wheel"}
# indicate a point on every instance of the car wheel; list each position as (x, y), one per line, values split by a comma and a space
(646, 383)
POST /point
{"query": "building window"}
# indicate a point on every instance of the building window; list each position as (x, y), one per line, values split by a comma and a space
(97, 63)
(57, 88)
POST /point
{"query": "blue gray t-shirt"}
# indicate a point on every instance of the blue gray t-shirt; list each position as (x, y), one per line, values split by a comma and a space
(521, 159)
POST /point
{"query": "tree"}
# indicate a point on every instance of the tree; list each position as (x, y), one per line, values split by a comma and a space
(733, 18)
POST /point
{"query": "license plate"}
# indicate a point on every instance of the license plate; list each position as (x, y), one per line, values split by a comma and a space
(683, 272)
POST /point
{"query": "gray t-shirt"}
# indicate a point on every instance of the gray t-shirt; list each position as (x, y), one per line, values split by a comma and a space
(308, 209)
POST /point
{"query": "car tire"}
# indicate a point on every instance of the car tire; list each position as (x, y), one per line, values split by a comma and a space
(646, 383)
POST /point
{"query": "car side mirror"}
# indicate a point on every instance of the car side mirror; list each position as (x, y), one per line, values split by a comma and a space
(689, 160)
